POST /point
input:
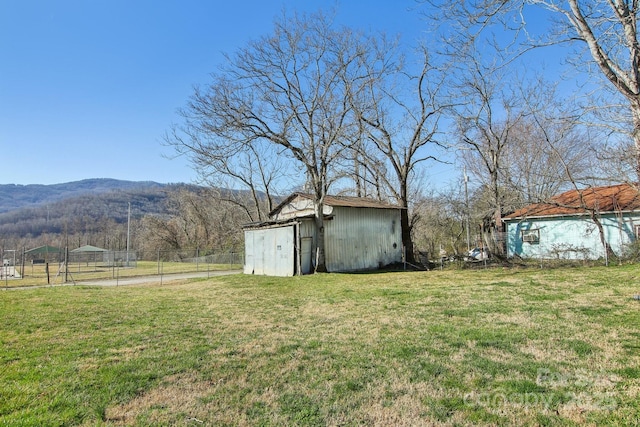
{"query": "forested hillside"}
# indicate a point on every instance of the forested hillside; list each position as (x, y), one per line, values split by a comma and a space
(85, 213)
(95, 212)
(14, 196)
(88, 207)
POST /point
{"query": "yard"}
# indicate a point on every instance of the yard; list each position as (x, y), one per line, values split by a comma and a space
(493, 347)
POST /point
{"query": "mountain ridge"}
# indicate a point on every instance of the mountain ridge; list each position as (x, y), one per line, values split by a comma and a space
(31, 211)
(17, 196)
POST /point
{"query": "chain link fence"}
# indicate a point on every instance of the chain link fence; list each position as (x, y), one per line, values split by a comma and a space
(68, 266)
(185, 261)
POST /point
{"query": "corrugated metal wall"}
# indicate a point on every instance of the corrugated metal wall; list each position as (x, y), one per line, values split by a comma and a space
(362, 238)
(355, 239)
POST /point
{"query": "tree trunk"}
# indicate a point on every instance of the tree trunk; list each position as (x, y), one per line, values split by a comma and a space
(609, 253)
(321, 266)
(407, 242)
(636, 139)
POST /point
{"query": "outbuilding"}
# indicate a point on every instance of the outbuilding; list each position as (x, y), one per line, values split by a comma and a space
(360, 234)
(564, 227)
(43, 254)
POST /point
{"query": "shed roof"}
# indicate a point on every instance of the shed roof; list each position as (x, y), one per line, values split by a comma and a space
(612, 198)
(271, 223)
(345, 201)
(89, 248)
(43, 250)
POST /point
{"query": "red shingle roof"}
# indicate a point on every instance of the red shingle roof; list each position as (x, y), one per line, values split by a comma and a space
(613, 198)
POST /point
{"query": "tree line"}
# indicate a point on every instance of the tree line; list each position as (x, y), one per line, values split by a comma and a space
(324, 108)
(163, 218)
(327, 109)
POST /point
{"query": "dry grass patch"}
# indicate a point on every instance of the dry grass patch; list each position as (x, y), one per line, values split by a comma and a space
(177, 394)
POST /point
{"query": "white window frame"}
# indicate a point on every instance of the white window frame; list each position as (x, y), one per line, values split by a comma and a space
(530, 236)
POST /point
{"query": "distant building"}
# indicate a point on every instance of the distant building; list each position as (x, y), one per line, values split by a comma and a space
(564, 228)
(360, 234)
(43, 254)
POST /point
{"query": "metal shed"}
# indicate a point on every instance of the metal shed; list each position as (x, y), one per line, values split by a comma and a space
(360, 234)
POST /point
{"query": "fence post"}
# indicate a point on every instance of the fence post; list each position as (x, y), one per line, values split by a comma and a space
(66, 264)
(24, 250)
(4, 272)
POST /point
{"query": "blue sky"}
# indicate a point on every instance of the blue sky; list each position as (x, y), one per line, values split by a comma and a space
(89, 87)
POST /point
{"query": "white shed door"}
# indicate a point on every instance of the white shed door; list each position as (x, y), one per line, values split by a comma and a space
(278, 254)
(270, 251)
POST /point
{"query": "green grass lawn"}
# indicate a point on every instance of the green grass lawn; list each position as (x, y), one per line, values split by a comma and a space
(492, 347)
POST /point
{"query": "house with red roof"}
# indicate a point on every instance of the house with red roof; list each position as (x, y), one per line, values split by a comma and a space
(572, 225)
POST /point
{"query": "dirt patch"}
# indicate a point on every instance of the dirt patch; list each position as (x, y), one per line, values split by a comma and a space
(177, 394)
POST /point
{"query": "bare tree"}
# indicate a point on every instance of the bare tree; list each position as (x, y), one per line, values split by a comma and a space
(550, 149)
(286, 91)
(194, 222)
(400, 110)
(500, 143)
(553, 143)
(609, 30)
(534, 150)
(489, 112)
(606, 30)
(223, 165)
(533, 171)
(441, 224)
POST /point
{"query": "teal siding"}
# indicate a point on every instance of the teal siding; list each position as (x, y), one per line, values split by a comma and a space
(571, 237)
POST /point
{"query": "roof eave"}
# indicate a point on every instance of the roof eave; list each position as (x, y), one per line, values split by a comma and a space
(564, 215)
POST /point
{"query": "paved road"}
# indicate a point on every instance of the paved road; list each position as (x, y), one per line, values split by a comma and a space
(140, 280)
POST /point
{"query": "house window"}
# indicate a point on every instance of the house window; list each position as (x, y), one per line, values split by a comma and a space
(637, 230)
(531, 236)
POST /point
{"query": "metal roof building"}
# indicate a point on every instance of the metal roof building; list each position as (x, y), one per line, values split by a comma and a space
(44, 254)
(360, 234)
(43, 250)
